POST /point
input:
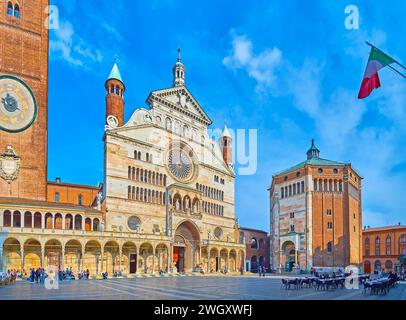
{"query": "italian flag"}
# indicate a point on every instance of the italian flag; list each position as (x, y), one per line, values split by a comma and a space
(377, 61)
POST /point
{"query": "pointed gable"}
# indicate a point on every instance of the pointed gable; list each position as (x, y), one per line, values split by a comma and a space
(181, 100)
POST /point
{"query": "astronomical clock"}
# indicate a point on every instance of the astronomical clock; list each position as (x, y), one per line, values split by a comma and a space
(18, 107)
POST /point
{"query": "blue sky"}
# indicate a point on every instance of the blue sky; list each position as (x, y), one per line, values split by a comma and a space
(289, 69)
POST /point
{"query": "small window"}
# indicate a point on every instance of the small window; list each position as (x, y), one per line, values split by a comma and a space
(330, 247)
(292, 228)
(10, 9)
(80, 200)
(292, 215)
(329, 212)
(335, 171)
(56, 197)
(320, 170)
(17, 11)
(329, 225)
(298, 174)
(286, 178)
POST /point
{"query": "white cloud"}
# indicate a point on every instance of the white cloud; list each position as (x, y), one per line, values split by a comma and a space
(260, 67)
(71, 48)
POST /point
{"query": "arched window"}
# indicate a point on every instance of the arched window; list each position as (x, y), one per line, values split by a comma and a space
(96, 223)
(48, 221)
(388, 245)
(17, 11)
(58, 221)
(69, 222)
(129, 193)
(80, 200)
(254, 243)
(78, 222)
(402, 244)
(17, 219)
(28, 220)
(7, 218)
(168, 124)
(37, 220)
(10, 9)
(377, 246)
(88, 224)
(367, 247)
(330, 247)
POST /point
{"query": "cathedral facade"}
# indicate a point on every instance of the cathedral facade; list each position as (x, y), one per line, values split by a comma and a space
(167, 201)
(316, 215)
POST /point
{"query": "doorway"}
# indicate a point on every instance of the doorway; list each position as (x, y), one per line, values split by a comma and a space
(133, 263)
(179, 258)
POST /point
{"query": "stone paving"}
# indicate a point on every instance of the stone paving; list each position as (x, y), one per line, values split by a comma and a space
(185, 288)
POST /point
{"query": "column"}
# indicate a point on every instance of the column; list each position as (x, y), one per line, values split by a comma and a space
(42, 221)
(120, 257)
(1, 220)
(42, 257)
(218, 261)
(1, 259)
(63, 257)
(170, 251)
(53, 222)
(153, 260)
(228, 261)
(136, 260)
(63, 222)
(208, 260)
(22, 259)
(102, 260)
(12, 219)
(83, 223)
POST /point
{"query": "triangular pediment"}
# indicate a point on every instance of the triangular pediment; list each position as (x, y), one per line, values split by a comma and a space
(181, 100)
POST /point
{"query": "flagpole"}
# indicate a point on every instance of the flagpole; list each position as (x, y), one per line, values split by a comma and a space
(388, 56)
(399, 73)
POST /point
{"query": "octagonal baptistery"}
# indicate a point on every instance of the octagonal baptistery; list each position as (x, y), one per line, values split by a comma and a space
(170, 185)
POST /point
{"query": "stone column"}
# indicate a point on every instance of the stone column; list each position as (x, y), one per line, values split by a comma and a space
(22, 259)
(1, 220)
(12, 219)
(83, 223)
(120, 258)
(63, 222)
(63, 257)
(42, 221)
(208, 260)
(218, 261)
(1, 259)
(170, 251)
(42, 257)
(53, 222)
(102, 260)
(228, 261)
(136, 261)
(153, 260)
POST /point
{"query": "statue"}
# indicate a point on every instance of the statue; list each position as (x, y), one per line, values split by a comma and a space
(99, 198)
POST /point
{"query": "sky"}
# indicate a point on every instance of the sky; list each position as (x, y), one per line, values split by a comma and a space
(289, 69)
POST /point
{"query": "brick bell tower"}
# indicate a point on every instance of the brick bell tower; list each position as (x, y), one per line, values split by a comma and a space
(23, 98)
(226, 142)
(115, 89)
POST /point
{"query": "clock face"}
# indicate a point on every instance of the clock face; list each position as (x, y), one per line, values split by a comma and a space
(18, 107)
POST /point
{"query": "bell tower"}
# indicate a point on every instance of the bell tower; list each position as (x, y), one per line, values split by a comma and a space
(23, 98)
(226, 142)
(179, 72)
(115, 89)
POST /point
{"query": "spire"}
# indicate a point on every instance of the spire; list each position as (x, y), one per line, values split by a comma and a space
(178, 72)
(226, 133)
(115, 73)
(179, 59)
(313, 152)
